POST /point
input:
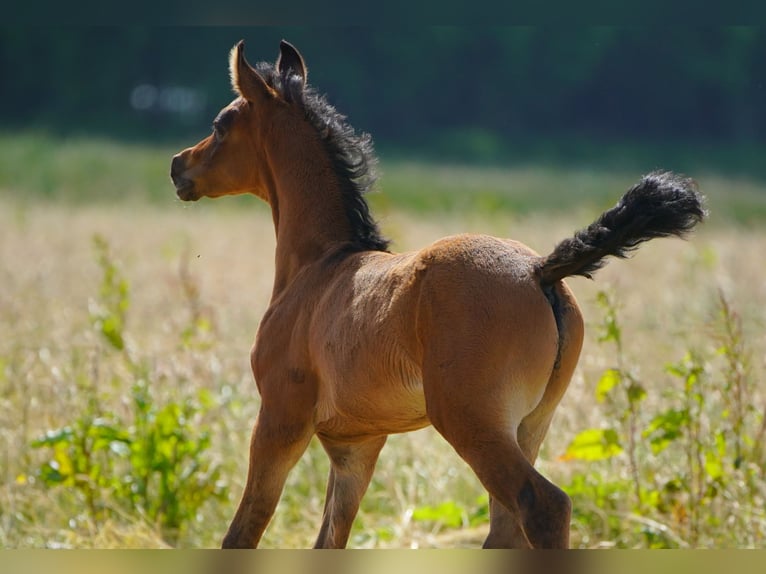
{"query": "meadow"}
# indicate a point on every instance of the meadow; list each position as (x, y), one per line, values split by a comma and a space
(126, 398)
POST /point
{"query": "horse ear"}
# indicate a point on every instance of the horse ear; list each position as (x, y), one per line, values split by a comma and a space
(290, 62)
(244, 79)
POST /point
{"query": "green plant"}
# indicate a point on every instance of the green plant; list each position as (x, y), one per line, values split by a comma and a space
(689, 459)
(155, 460)
(154, 463)
(109, 310)
(620, 390)
(450, 514)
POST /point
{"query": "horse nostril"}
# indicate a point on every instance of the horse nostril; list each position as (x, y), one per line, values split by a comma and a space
(177, 166)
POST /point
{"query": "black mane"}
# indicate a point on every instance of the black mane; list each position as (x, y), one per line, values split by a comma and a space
(352, 154)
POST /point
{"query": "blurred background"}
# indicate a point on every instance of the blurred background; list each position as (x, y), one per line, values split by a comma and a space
(593, 95)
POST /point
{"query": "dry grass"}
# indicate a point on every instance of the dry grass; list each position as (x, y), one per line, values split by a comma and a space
(48, 274)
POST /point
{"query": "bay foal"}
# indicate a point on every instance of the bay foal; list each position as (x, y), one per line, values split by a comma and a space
(476, 335)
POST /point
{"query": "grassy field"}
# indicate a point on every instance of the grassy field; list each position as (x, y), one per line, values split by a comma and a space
(127, 317)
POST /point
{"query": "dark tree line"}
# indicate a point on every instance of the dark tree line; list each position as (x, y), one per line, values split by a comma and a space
(407, 86)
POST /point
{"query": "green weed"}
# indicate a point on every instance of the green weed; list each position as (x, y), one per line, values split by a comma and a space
(450, 514)
(690, 460)
(153, 461)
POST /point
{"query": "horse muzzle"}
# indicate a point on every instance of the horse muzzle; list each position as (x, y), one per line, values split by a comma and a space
(184, 186)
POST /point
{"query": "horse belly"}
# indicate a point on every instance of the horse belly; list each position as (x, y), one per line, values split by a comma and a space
(383, 396)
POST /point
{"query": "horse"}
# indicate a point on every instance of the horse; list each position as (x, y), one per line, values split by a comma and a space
(476, 335)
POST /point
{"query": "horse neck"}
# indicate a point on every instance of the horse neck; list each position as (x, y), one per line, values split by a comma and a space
(307, 207)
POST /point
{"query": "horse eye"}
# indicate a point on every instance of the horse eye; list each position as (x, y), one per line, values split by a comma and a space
(218, 130)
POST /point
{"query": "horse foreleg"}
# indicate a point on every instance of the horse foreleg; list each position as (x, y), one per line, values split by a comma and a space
(350, 474)
(275, 447)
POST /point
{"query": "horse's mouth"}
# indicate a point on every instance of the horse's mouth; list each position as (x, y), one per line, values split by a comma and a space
(185, 189)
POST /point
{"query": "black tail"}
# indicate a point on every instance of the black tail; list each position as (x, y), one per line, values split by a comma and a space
(660, 205)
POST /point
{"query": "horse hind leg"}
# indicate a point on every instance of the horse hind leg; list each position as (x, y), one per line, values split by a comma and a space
(553, 532)
(352, 466)
(502, 521)
(535, 425)
(480, 382)
(526, 510)
(569, 322)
